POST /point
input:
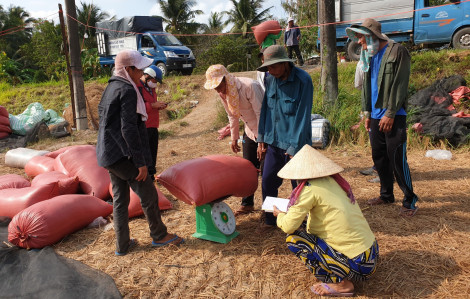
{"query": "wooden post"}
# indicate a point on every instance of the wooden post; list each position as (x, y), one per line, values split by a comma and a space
(76, 66)
(66, 53)
(329, 76)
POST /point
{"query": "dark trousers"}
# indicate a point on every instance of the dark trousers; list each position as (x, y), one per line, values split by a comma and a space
(297, 53)
(249, 152)
(275, 159)
(123, 174)
(153, 143)
(389, 155)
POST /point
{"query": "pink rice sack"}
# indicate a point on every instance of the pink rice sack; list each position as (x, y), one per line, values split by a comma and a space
(47, 222)
(81, 161)
(66, 184)
(12, 201)
(8, 181)
(203, 180)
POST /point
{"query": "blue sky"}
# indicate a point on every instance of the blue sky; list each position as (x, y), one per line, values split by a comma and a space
(123, 8)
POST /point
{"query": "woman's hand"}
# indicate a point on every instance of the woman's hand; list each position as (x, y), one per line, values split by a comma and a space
(159, 105)
(276, 211)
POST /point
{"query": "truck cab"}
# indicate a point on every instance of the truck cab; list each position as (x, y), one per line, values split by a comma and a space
(168, 53)
(144, 34)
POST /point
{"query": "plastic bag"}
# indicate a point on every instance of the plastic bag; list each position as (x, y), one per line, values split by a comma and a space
(439, 154)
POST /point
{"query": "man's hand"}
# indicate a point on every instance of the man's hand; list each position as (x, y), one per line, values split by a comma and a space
(367, 124)
(235, 146)
(142, 176)
(386, 124)
(261, 151)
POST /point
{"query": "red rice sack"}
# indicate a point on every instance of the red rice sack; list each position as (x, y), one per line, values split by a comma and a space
(39, 164)
(8, 181)
(262, 30)
(135, 208)
(54, 154)
(81, 161)
(66, 184)
(49, 221)
(202, 180)
(12, 201)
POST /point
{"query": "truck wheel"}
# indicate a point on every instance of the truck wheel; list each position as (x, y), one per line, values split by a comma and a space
(461, 39)
(162, 67)
(354, 50)
(187, 72)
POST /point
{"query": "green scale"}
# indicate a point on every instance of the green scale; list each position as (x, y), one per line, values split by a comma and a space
(215, 222)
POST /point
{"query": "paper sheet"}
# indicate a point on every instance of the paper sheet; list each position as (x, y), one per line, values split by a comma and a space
(280, 203)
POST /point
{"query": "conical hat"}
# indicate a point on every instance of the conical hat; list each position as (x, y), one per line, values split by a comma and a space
(308, 163)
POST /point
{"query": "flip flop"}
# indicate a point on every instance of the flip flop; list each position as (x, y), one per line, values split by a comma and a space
(169, 242)
(331, 292)
(408, 212)
(132, 244)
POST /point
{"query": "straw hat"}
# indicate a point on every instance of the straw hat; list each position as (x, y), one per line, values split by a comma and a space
(308, 163)
(214, 76)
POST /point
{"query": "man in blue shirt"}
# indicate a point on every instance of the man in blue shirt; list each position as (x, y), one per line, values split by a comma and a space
(284, 124)
(292, 40)
(384, 98)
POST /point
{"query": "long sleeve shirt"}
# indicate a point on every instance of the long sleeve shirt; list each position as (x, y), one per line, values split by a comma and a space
(331, 217)
(291, 36)
(150, 96)
(286, 111)
(122, 133)
(392, 82)
(250, 94)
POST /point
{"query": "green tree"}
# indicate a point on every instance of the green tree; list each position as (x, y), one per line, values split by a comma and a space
(89, 14)
(179, 15)
(14, 29)
(45, 50)
(245, 14)
(215, 24)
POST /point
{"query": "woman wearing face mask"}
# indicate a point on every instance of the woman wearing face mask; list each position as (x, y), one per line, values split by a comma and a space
(148, 82)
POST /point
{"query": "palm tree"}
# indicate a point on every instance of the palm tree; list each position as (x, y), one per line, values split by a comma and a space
(179, 16)
(14, 29)
(245, 14)
(215, 24)
(89, 14)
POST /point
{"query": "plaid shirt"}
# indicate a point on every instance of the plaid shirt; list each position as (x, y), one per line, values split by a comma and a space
(122, 133)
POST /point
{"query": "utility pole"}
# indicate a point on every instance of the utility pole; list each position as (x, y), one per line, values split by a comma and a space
(329, 74)
(76, 66)
(66, 53)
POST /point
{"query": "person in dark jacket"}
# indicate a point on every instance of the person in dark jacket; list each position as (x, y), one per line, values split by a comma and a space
(123, 149)
(386, 65)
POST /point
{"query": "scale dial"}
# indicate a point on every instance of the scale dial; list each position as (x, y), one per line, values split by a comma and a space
(223, 218)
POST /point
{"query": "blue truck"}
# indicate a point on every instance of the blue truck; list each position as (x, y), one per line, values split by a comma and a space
(144, 34)
(428, 22)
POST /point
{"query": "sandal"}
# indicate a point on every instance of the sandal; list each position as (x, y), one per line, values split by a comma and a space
(408, 212)
(176, 241)
(331, 292)
(132, 244)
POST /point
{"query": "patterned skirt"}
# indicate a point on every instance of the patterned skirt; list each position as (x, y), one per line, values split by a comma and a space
(329, 265)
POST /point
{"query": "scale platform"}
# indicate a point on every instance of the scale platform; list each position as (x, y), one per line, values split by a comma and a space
(215, 222)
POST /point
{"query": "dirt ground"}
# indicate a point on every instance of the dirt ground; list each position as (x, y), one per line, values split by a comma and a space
(427, 256)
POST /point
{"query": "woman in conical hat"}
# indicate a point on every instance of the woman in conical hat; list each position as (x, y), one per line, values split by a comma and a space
(337, 244)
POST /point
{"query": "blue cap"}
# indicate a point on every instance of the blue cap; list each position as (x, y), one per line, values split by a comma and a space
(154, 72)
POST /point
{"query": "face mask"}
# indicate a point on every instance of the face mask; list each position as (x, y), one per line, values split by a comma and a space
(372, 49)
(151, 84)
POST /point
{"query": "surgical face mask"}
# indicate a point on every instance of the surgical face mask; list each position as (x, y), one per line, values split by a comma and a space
(151, 84)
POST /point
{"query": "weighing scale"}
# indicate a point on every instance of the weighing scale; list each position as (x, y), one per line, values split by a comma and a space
(215, 222)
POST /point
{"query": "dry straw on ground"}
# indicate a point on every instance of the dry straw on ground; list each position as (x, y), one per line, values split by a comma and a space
(426, 256)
